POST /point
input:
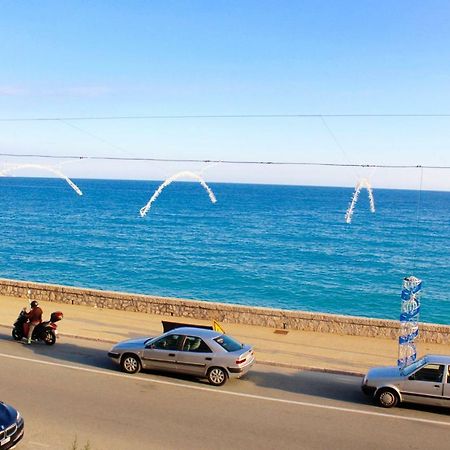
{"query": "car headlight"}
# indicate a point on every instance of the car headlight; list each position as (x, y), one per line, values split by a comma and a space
(18, 416)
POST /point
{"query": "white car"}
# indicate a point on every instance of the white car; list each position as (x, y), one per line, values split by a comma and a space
(425, 381)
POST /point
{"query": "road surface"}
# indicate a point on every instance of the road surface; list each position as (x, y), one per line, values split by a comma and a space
(72, 391)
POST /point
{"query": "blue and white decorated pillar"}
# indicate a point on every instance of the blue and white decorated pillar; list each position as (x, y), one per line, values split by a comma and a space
(409, 320)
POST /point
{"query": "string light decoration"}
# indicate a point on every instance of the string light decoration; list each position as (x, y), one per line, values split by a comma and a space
(361, 183)
(186, 174)
(409, 320)
(54, 170)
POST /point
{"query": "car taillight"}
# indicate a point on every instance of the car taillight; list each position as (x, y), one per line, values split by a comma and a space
(240, 361)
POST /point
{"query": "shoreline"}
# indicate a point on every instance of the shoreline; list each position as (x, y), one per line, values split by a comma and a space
(114, 293)
(222, 312)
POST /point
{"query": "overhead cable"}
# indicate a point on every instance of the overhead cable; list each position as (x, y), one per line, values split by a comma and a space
(222, 161)
(222, 116)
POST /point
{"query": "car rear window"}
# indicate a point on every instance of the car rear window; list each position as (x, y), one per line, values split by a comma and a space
(228, 343)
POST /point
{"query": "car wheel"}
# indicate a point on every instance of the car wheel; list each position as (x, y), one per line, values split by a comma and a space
(130, 363)
(217, 376)
(387, 398)
(49, 337)
(16, 334)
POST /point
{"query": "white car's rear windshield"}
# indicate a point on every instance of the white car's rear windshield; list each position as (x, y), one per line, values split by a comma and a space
(228, 343)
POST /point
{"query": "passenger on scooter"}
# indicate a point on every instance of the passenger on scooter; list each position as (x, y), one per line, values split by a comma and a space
(34, 316)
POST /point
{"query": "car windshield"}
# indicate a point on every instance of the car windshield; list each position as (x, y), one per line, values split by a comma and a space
(408, 370)
(228, 343)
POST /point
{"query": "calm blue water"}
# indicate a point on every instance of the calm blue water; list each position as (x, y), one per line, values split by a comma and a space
(275, 246)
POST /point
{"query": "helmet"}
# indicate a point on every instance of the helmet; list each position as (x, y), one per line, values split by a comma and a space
(34, 303)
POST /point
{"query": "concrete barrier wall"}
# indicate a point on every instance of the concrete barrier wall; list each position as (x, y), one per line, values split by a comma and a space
(222, 312)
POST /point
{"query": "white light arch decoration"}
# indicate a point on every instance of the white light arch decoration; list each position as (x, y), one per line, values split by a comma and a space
(186, 174)
(361, 183)
(54, 170)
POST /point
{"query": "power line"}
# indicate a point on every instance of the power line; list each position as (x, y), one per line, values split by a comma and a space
(223, 116)
(207, 161)
(92, 135)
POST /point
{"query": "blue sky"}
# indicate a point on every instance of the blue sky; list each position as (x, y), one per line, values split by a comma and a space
(108, 58)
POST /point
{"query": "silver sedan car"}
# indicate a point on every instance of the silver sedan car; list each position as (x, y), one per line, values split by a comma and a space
(193, 351)
(425, 381)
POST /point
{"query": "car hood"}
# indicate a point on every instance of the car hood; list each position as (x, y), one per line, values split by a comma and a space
(131, 343)
(384, 372)
(7, 415)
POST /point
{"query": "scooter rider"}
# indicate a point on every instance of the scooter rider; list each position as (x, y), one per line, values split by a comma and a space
(34, 316)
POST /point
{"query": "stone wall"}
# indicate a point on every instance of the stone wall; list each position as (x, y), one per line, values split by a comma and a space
(222, 312)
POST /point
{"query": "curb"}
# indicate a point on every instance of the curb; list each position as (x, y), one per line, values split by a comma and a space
(258, 362)
(311, 368)
(73, 336)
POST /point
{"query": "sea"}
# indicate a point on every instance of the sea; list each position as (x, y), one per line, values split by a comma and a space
(286, 247)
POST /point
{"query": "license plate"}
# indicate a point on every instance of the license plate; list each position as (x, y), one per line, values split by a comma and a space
(5, 441)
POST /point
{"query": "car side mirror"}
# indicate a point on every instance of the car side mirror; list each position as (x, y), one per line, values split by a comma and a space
(150, 346)
(412, 377)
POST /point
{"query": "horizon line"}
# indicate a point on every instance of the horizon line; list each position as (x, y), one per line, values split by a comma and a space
(143, 180)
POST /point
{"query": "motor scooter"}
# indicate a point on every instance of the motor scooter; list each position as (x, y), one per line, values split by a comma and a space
(45, 331)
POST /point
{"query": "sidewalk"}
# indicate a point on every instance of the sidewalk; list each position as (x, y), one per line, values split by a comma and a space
(296, 349)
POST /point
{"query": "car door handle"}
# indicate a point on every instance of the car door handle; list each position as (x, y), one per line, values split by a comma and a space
(208, 359)
(437, 385)
(171, 354)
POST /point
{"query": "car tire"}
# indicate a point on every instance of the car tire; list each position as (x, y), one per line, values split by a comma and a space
(387, 398)
(16, 334)
(130, 363)
(217, 376)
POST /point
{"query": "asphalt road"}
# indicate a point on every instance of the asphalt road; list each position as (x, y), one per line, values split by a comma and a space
(71, 391)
